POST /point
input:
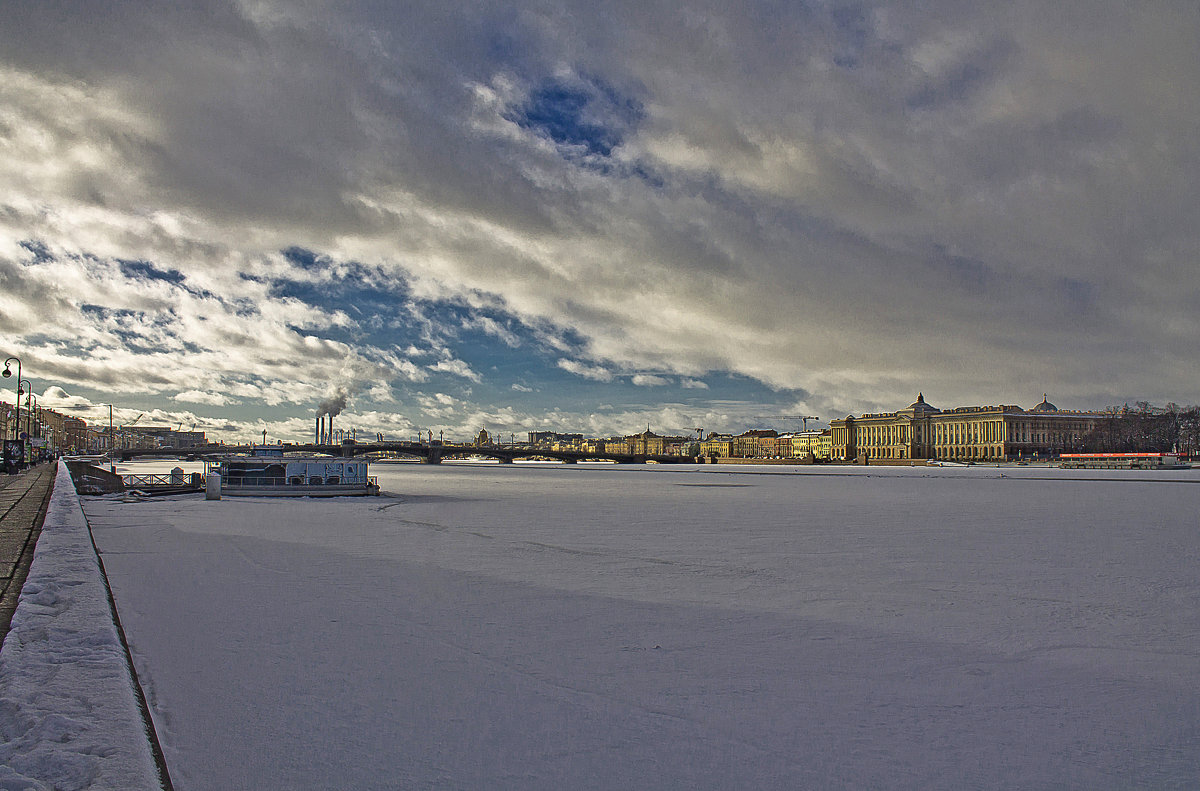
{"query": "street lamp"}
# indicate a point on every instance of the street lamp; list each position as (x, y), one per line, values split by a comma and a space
(112, 461)
(30, 414)
(7, 373)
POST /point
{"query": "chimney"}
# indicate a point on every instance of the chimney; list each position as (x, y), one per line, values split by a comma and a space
(331, 429)
(318, 434)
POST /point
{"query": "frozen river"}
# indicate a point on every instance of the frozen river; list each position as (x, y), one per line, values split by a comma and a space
(605, 627)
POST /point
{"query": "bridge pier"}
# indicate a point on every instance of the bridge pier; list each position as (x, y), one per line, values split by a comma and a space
(506, 460)
(432, 458)
(570, 461)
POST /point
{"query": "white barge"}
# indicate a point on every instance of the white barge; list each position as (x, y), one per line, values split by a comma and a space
(296, 476)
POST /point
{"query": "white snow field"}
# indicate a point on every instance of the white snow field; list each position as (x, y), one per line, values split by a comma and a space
(660, 627)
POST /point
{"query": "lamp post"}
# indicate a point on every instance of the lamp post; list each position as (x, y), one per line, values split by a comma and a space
(31, 417)
(112, 459)
(31, 413)
(7, 373)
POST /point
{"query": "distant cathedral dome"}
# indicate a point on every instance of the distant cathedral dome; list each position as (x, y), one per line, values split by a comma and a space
(1045, 406)
(920, 406)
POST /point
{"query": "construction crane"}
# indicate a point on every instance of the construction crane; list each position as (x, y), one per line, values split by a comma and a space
(804, 418)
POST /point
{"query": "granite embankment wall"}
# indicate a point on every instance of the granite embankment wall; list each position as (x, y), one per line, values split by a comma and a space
(71, 715)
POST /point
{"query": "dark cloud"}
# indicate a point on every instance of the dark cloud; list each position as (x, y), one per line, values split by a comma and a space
(851, 199)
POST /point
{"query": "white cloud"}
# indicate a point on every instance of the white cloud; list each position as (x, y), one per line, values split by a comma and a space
(520, 388)
(693, 384)
(456, 367)
(594, 372)
(409, 370)
(59, 399)
(649, 380)
(492, 327)
(202, 397)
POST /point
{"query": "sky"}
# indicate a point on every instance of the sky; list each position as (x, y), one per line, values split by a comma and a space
(595, 217)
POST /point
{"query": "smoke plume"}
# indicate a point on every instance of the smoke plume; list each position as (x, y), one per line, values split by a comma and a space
(334, 405)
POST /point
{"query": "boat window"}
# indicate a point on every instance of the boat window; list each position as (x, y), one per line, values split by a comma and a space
(315, 480)
(296, 480)
(332, 479)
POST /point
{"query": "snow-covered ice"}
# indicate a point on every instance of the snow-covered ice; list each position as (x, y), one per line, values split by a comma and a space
(576, 627)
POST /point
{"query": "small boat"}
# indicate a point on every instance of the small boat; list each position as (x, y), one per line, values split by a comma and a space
(295, 476)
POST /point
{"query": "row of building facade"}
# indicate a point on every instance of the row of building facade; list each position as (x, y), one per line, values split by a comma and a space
(976, 433)
(59, 434)
(919, 431)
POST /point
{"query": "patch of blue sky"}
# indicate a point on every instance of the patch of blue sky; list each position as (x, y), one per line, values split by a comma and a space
(551, 387)
(138, 343)
(144, 270)
(517, 364)
(100, 311)
(38, 249)
(305, 259)
(585, 114)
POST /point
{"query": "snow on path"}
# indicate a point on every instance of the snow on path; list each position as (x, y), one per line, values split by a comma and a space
(69, 718)
(566, 627)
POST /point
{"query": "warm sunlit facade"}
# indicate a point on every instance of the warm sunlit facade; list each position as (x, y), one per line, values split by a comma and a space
(983, 433)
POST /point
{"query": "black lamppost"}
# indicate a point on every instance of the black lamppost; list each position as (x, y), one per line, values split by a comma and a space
(7, 373)
(30, 413)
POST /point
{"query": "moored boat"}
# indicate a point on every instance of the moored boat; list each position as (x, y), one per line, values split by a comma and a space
(294, 476)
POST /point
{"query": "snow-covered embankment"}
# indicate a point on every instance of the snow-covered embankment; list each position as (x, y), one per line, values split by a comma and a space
(69, 712)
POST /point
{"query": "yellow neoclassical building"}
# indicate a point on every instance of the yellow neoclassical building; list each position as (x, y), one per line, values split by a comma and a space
(975, 433)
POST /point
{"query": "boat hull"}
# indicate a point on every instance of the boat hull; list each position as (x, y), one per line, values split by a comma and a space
(300, 490)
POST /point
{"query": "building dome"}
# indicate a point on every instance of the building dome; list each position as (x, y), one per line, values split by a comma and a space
(1045, 406)
(920, 406)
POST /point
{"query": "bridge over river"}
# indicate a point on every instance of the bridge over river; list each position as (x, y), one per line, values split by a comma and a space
(426, 452)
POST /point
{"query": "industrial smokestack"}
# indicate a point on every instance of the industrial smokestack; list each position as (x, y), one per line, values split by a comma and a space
(317, 436)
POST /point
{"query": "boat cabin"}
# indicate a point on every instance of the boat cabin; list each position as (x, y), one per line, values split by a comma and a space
(299, 477)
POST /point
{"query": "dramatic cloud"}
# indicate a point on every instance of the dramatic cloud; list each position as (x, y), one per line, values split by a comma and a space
(247, 206)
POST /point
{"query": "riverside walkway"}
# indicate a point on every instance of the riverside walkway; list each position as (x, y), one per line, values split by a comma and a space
(23, 500)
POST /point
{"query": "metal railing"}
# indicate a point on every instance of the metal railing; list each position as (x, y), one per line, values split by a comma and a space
(133, 481)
